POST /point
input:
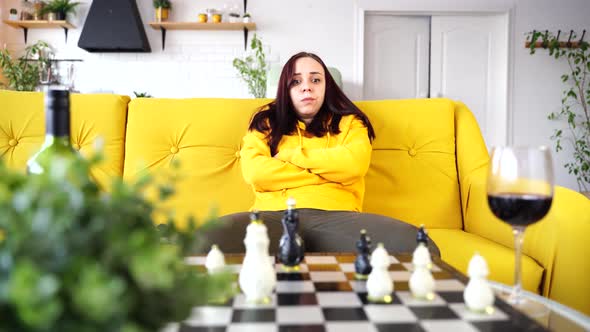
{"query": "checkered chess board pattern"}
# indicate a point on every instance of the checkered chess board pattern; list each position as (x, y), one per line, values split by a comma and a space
(324, 296)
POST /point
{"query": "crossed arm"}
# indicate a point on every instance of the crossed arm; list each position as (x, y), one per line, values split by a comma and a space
(345, 163)
(266, 173)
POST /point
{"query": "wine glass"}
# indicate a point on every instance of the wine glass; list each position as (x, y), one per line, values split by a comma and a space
(520, 192)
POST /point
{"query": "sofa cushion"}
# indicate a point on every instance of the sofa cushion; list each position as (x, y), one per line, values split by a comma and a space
(22, 129)
(457, 247)
(413, 173)
(160, 131)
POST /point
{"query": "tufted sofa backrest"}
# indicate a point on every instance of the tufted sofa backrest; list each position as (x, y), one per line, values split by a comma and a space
(413, 173)
(22, 129)
(205, 136)
(425, 149)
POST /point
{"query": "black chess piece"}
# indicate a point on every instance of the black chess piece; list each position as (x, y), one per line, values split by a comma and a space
(255, 216)
(421, 236)
(291, 246)
(362, 263)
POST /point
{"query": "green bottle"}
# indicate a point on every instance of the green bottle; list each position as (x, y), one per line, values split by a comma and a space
(57, 132)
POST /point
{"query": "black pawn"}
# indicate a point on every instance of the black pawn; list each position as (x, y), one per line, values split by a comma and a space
(255, 216)
(421, 236)
(362, 263)
(291, 247)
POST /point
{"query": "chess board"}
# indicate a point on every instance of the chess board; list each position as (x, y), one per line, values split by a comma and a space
(324, 296)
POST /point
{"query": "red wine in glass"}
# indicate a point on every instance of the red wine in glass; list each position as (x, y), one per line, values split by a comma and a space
(519, 209)
(520, 193)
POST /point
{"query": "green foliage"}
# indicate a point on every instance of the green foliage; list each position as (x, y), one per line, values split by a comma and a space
(252, 69)
(574, 105)
(142, 94)
(162, 4)
(60, 6)
(23, 73)
(73, 258)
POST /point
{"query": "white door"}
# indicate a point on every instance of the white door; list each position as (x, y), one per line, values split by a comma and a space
(469, 63)
(396, 57)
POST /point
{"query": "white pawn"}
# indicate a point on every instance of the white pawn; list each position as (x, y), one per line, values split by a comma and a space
(478, 294)
(421, 282)
(257, 276)
(379, 283)
(215, 261)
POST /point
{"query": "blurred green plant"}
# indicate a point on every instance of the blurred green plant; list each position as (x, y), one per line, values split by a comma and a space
(23, 73)
(252, 69)
(574, 104)
(73, 258)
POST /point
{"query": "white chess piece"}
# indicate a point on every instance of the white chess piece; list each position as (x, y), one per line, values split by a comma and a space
(379, 283)
(215, 261)
(257, 276)
(421, 281)
(478, 294)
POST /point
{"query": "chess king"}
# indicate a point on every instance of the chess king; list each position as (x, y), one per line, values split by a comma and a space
(291, 247)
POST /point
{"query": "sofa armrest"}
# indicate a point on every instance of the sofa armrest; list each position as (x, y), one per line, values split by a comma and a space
(560, 242)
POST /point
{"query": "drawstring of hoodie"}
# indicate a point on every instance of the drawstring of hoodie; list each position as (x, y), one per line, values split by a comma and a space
(300, 137)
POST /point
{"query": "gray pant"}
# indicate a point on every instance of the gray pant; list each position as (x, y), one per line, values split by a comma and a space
(322, 231)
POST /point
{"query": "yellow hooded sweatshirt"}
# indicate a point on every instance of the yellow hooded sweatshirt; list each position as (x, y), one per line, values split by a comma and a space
(319, 172)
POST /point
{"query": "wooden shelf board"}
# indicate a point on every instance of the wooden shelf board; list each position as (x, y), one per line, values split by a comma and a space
(202, 26)
(39, 24)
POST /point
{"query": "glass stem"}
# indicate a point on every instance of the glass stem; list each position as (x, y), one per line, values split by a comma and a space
(518, 232)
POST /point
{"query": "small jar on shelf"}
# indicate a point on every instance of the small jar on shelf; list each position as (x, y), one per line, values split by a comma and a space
(26, 12)
(13, 14)
(233, 17)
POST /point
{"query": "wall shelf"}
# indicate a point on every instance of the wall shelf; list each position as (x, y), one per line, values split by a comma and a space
(39, 24)
(164, 26)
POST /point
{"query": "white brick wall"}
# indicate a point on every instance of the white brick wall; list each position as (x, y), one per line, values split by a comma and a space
(198, 63)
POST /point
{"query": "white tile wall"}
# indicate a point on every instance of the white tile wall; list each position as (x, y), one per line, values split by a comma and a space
(198, 63)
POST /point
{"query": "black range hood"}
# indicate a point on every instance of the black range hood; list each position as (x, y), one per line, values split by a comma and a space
(114, 26)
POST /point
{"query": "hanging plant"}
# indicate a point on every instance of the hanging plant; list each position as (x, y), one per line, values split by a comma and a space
(574, 104)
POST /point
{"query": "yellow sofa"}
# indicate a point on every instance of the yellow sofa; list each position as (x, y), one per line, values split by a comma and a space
(428, 167)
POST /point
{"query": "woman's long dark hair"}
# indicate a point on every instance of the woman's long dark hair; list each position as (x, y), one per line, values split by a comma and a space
(279, 118)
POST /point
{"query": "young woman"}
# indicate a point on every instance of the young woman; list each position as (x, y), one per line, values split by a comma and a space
(313, 144)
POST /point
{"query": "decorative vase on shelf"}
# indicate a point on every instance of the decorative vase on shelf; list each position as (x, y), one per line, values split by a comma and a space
(162, 14)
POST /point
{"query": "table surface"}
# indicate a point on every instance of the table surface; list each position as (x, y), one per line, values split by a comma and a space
(325, 296)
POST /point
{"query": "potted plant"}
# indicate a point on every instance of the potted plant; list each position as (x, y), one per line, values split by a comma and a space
(234, 17)
(78, 259)
(575, 104)
(246, 18)
(142, 94)
(163, 8)
(23, 74)
(13, 15)
(59, 9)
(252, 69)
